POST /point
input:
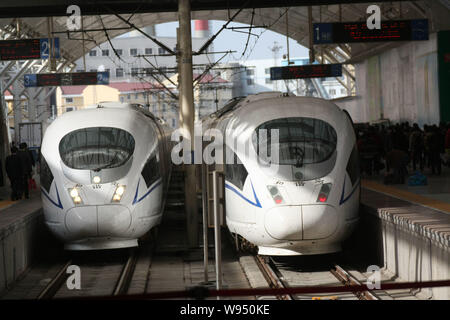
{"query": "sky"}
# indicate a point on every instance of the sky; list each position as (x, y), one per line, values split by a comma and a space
(258, 48)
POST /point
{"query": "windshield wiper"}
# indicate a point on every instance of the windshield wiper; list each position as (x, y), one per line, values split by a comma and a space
(107, 165)
(299, 154)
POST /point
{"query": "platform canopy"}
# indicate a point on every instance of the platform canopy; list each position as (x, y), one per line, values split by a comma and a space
(18, 18)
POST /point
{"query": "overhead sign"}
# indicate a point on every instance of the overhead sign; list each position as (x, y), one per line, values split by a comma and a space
(66, 79)
(349, 32)
(25, 49)
(306, 71)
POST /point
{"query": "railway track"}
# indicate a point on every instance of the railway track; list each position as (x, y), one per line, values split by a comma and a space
(55, 288)
(276, 279)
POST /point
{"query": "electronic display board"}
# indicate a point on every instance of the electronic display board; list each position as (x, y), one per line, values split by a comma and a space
(306, 71)
(66, 79)
(25, 49)
(350, 32)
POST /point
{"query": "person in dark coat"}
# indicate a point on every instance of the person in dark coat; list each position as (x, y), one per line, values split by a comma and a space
(26, 163)
(14, 171)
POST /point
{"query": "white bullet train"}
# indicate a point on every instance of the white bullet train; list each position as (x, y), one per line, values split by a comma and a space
(104, 174)
(310, 204)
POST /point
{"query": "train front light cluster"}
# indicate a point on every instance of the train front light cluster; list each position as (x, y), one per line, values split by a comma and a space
(276, 195)
(75, 195)
(324, 192)
(120, 190)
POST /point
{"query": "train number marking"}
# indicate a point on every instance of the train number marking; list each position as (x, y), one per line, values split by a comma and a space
(96, 186)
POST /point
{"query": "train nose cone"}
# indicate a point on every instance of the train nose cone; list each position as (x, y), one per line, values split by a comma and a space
(304, 222)
(81, 222)
(284, 223)
(93, 221)
(113, 220)
(319, 221)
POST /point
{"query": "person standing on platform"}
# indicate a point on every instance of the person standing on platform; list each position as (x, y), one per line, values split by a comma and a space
(447, 145)
(26, 162)
(416, 147)
(14, 172)
(436, 147)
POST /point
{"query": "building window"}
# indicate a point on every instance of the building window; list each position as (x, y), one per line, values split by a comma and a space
(250, 82)
(250, 72)
(69, 100)
(164, 108)
(105, 53)
(128, 96)
(119, 72)
(267, 71)
(174, 123)
(134, 71)
(332, 92)
(133, 52)
(122, 99)
(68, 109)
(268, 81)
(93, 53)
(148, 51)
(343, 91)
(161, 51)
(136, 95)
(119, 52)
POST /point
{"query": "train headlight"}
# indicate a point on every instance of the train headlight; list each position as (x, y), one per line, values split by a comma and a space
(324, 192)
(276, 195)
(96, 180)
(120, 190)
(75, 195)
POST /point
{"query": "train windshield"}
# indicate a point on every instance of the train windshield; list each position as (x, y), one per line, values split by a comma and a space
(96, 148)
(302, 141)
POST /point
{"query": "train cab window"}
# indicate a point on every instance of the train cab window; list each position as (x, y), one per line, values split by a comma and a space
(235, 172)
(306, 143)
(46, 175)
(353, 165)
(151, 171)
(96, 148)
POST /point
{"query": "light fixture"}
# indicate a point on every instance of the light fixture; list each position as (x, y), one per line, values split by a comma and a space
(276, 195)
(76, 198)
(324, 192)
(96, 179)
(120, 190)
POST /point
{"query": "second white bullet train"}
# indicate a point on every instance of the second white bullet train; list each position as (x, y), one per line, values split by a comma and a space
(104, 174)
(310, 204)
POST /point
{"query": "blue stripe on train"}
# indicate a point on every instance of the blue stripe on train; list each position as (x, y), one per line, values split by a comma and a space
(256, 203)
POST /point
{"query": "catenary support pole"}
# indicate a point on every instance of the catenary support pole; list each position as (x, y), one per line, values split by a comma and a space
(217, 230)
(205, 220)
(187, 114)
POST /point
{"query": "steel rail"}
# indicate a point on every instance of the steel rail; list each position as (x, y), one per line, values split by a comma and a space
(271, 276)
(126, 275)
(53, 286)
(348, 280)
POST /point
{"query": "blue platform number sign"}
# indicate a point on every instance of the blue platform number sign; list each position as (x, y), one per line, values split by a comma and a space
(103, 77)
(323, 33)
(419, 29)
(30, 80)
(45, 48)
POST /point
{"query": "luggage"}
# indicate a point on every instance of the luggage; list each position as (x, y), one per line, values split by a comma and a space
(417, 179)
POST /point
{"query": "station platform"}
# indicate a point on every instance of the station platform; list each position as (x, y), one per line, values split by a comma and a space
(22, 232)
(410, 231)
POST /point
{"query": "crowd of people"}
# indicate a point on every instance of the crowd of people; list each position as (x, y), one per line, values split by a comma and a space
(397, 147)
(19, 167)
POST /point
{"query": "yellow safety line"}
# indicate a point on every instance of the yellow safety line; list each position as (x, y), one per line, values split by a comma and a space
(406, 195)
(6, 203)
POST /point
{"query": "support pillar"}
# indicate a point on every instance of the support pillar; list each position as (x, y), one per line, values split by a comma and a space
(187, 113)
(17, 109)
